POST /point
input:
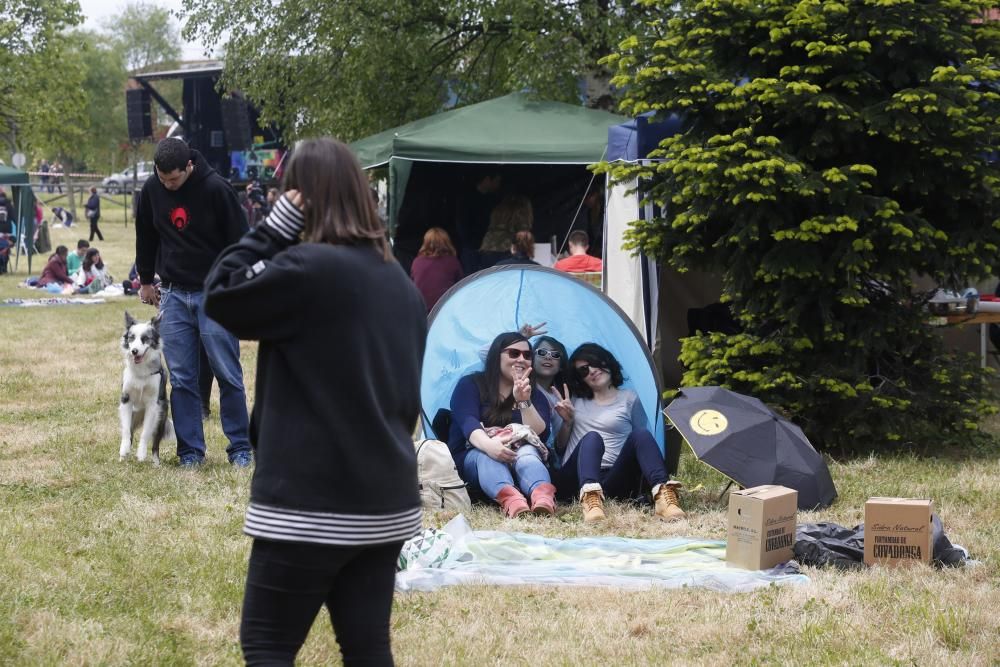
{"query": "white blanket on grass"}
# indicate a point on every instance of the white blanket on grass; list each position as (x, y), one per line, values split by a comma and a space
(458, 555)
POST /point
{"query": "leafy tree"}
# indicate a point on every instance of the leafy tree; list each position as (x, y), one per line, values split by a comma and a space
(146, 35)
(41, 102)
(832, 152)
(102, 149)
(353, 68)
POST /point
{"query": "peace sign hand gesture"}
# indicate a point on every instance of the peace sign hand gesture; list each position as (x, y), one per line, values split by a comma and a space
(522, 385)
(564, 407)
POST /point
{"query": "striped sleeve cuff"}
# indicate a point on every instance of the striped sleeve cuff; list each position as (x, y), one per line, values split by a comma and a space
(274, 523)
(286, 219)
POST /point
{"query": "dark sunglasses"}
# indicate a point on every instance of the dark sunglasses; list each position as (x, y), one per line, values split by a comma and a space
(584, 371)
(548, 353)
(513, 353)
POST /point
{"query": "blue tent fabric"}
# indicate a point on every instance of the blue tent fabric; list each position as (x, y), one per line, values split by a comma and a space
(501, 299)
(633, 141)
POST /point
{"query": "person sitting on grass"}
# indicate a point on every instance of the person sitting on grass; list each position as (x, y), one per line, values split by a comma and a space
(92, 275)
(75, 259)
(501, 395)
(605, 443)
(55, 272)
(579, 261)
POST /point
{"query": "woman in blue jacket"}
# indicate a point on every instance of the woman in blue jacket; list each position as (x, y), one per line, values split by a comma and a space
(501, 395)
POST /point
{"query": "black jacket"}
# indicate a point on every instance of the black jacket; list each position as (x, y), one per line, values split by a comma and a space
(178, 234)
(94, 204)
(342, 336)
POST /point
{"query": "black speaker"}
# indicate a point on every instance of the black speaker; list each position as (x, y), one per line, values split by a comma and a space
(137, 110)
(236, 123)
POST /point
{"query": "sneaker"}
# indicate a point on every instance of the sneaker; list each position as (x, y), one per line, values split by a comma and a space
(190, 461)
(666, 503)
(241, 460)
(593, 506)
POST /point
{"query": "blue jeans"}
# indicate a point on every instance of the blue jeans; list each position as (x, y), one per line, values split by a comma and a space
(640, 459)
(490, 475)
(183, 324)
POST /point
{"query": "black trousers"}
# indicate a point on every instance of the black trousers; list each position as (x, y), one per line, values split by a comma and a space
(94, 230)
(288, 582)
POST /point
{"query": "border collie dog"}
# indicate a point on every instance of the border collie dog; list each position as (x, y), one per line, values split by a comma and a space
(144, 390)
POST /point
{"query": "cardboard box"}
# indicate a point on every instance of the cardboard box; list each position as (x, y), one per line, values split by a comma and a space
(898, 531)
(761, 530)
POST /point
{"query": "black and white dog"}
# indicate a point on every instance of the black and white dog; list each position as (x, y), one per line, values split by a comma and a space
(144, 390)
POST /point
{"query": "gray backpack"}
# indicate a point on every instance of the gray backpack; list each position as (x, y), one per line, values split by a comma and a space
(440, 486)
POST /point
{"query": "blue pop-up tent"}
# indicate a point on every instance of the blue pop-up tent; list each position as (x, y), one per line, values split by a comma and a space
(505, 298)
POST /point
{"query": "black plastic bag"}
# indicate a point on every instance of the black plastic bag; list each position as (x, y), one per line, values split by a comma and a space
(829, 544)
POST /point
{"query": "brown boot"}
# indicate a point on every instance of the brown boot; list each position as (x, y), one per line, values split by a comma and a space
(666, 503)
(543, 499)
(593, 505)
(512, 502)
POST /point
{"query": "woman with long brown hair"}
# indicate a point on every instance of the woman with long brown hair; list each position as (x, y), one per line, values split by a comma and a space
(342, 332)
(513, 214)
(436, 267)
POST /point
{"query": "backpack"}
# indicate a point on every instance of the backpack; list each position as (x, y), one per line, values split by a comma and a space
(440, 486)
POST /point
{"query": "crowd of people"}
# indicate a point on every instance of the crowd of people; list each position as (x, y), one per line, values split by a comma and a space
(496, 231)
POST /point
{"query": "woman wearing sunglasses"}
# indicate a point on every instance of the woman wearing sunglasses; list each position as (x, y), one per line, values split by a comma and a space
(500, 395)
(550, 370)
(606, 446)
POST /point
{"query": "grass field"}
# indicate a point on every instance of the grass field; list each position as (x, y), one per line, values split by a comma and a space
(103, 563)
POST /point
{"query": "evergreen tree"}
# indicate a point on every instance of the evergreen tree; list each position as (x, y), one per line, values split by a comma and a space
(833, 153)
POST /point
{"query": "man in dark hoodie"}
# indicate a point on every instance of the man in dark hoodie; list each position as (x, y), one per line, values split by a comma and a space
(187, 215)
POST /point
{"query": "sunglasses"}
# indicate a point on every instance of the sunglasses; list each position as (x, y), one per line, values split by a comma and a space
(584, 371)
(514, 353)
(548, 353)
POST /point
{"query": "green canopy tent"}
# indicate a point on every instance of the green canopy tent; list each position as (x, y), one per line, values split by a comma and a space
(509, 130)
(24, 210)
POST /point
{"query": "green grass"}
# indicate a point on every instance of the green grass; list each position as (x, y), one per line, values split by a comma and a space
(106, 563)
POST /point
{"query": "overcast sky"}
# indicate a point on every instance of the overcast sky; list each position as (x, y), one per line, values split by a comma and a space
(96, 11)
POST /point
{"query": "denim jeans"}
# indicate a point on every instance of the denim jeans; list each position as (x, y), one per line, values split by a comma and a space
(640, 459)
(490, 475)
(183, 324)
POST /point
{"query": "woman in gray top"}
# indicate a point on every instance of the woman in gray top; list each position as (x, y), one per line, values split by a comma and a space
(604, 441)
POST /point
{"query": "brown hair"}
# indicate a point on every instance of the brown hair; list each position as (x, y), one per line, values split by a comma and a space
(524, 243)
(437, 243)
(513, 214)
(338, 205)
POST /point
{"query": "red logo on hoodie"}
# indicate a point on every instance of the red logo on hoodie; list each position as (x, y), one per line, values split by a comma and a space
(179, 218)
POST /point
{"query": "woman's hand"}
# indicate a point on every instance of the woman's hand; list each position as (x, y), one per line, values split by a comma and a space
(295, 197)
(522, 385)
(497, 449)
(529, 330)
(564, 407)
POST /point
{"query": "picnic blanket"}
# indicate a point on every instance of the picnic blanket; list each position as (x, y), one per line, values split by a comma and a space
(55, 301)
(458, 555)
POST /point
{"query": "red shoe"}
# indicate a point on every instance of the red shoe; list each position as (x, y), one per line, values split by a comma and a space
(543, 499)
(512, 502)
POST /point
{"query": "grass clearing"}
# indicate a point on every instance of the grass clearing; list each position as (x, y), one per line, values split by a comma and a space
(123, 564)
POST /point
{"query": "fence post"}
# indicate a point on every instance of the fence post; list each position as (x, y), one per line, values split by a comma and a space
(70, 195)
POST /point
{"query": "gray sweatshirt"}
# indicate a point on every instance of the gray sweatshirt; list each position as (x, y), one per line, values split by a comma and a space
(613, 422)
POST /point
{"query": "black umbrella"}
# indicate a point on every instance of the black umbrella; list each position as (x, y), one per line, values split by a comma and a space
(748, 442)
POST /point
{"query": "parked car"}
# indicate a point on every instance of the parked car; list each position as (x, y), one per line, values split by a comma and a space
(122, 181)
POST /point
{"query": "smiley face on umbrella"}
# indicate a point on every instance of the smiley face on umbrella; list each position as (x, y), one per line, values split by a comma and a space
(709, 422)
